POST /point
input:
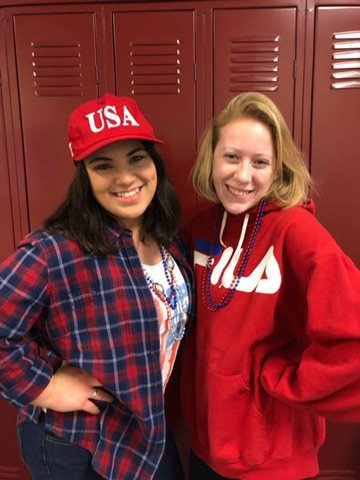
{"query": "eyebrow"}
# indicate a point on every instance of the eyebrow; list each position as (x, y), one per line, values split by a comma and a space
(232, 149)
(109, 159)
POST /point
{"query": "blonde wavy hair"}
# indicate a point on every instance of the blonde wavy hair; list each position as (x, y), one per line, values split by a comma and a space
(292, 182)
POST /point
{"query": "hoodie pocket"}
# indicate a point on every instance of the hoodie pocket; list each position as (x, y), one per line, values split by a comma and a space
(229, 422)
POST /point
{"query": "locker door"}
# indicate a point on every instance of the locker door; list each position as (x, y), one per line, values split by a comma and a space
(335, 147)
(155, 63)
(11, 465)
(56, 63)
(7, 242)
(255, 50)
(335, 132)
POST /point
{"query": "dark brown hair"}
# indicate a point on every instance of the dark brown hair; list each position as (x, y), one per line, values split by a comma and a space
(82, 219)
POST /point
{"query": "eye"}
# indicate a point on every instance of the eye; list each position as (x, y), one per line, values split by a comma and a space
(102, 166)
(261, 162)
(231, 156)
(137, 158)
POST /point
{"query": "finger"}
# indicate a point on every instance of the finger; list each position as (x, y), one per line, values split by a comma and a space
(94, 394)
(101, 395)
(91, 407)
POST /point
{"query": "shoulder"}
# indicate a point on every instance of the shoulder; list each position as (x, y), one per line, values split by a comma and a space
(41, 237)
(45, 245)
(301, 232)
(300, 217)
(298, 213)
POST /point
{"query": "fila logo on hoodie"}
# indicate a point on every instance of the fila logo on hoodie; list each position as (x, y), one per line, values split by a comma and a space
(265, 278)
(223, 272)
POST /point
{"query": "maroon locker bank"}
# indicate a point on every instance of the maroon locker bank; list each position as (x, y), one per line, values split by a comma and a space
(181, 60)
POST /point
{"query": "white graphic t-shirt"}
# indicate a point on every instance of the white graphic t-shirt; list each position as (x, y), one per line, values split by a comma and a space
(168, 345)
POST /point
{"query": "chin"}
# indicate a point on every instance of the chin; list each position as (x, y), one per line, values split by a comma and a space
(235, 210)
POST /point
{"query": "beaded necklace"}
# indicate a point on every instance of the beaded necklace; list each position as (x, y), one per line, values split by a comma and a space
(206, 279)
(174, 297)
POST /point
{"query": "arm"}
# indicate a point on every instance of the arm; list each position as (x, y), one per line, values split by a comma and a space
(26, 377)
(326, 376)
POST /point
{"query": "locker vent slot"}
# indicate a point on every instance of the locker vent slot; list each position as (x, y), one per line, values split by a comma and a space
(345, 60)
(155, 68)
(254, 63)
(57, 70)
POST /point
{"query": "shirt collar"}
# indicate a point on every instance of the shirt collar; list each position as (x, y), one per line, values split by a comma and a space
(114, 231)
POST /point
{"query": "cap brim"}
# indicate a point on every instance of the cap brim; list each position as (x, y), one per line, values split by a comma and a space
(102, 143)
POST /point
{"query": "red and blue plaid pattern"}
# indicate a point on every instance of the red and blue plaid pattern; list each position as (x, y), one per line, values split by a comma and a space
(97, 313)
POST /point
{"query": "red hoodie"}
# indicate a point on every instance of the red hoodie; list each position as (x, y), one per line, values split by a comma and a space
(260, 374)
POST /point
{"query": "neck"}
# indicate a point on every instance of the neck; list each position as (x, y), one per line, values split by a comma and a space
(148, 251)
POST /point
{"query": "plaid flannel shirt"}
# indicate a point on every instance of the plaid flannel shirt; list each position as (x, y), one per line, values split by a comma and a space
(97, 313)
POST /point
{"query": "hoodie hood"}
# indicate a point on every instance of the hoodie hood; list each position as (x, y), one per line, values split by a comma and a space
(246, 218)
(270, 207)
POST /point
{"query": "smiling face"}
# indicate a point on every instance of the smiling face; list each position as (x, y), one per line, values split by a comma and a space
(244, 164)
(123, 180)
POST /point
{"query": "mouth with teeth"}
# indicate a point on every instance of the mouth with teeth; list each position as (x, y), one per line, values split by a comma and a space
(129, 194)
(239, 193)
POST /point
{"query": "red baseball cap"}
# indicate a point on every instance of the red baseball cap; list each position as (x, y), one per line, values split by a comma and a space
(106, 120)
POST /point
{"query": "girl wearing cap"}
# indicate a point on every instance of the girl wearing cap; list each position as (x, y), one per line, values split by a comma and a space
(94, 308)
(276, 342)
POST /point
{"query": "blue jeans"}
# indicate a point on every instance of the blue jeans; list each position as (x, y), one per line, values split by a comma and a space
(199, 470)
(49, 457)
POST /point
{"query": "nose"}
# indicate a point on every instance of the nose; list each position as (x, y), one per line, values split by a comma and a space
(123, 175)
(243, 171)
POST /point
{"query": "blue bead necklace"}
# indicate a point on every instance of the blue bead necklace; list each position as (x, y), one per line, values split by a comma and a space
(206, 280)
(171, 301)
(168, 266)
